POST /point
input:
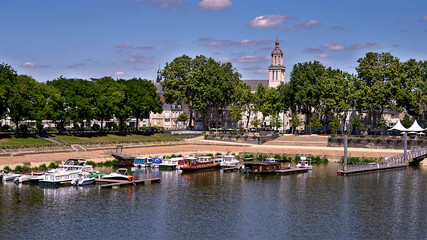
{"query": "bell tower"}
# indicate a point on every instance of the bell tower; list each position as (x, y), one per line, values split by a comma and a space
(276, 71)
(159, 76)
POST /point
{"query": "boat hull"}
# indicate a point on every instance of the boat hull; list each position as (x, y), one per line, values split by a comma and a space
(199, 167)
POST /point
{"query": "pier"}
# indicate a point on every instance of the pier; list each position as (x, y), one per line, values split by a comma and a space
(113, 183)
(365, 168)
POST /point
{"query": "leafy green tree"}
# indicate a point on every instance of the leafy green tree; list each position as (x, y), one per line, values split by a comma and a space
(7, 77)
(295, 122)
(379, 75)
(335, 123)
(305, 88)
(21, 98)
(142, 98)
(260, 102)
(407, 121)
(357, 122)
(276, 122)
(315, 122)
(179, 85)
(241, 102)
(182, 118)
(256, 122)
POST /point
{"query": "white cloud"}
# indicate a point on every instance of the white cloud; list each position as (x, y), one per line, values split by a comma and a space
(247, 42)
(137, 58)
(116, 74)
(268, 21)
(33, 65)
(209, 42)
(324, 56)
(313, 50)
(224, 60)
(307, 25)
(424, 18)
(124, 45)
(366, 46)
(145, 47)
(169, 5)
(214, 4)
(250, 59)
(334, 46)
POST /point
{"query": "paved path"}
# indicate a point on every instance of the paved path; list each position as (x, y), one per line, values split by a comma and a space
(198, 145)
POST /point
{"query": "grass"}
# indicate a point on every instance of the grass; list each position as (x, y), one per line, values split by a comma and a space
(22, 142)
(115, 138)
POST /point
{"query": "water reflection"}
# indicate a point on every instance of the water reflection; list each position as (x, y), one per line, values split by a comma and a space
(231, 205)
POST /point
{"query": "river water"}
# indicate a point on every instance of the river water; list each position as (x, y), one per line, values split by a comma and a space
(216, 205)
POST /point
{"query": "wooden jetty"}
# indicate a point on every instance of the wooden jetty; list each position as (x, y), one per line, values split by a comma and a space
(370, 168)
(113, 183)
(286, 171)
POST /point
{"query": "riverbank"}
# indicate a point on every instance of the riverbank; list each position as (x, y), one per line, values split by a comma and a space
(192, 146)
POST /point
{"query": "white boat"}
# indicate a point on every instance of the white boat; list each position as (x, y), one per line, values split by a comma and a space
(28, 177)
(227, 160)
(270, 160)
(142, 162)
(10, 176)
(58, 177)
(156, 162)
(172, 163)
(120, 174)
(304, 163)
(83, 179)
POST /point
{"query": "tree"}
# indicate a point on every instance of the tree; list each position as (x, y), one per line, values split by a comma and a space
(407, 121)
(295, 122)
(315, 122)
(241, 102)
(7, 77)
(179, 85)
(378, 75)
(335, 123)
(182, 118)
(142, 98)
(305, 88)
(275, 121)
(22, 95)
(357, 122)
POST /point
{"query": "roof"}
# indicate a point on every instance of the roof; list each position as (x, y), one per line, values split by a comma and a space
(399, 127)
(415, 127)
(254, 83)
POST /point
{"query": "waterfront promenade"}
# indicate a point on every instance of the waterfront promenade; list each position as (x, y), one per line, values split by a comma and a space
(199, 145)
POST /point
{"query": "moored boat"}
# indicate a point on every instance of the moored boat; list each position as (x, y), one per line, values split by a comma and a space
(156, 162)
(10, 176)
(198, 163)
(172, 163)
(120, 174)
(304, 163)
(227, 160)
(83, 179)
(57, 178)
(142, 162)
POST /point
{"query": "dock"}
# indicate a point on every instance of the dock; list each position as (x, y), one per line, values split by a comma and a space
(370, 168)
(113, 183)
(286, 171)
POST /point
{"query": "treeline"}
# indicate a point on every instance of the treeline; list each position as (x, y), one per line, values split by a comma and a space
(323, 95)
(74, 100)
(214, 90)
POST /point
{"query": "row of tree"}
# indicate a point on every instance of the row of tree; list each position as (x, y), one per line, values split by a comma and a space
(74, 100)
(214, 90)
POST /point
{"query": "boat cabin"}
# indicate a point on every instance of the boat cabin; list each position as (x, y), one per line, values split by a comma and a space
(262, 167)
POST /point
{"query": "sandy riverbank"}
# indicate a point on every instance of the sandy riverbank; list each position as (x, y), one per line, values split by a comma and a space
(193, 146)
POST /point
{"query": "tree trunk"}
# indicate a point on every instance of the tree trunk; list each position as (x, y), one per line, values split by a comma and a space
(216, 115)
(102, 123)
(249, 118)
(137, 124)
(191, 120)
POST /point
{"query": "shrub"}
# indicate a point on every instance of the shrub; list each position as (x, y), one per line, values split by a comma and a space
(389, 139)
(52, 165)
(420, 140)
(369, 139)
(7, 169)
(297, 158)
(399, 139)
(329, 138)
(409, 140)
(246, 136)
(350, 138)
(221, 135)
(340, 139)
(91, 163)
(379, 139)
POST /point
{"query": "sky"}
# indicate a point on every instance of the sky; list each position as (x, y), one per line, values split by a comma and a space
(86, 39)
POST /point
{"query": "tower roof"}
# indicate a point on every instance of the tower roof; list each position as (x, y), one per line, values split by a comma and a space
(277, 50)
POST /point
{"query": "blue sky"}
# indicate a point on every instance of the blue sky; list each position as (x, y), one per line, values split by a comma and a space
(132, 38)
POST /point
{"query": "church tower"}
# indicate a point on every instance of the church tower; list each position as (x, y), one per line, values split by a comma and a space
(276, 71)
(159, 76)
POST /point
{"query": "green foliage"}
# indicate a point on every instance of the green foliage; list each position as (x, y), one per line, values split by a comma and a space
(295, 122)
(52, 165)
(7, 169)
(336, 123)
(91, 163)
(297, 158)
(315, 122)
(357, 122)
(182, 117)
(407, 121)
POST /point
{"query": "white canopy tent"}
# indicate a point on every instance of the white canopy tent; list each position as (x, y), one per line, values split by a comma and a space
(399, 127)
(415, 128)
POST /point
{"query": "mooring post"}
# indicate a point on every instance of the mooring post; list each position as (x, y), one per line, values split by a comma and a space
(345, 152)
(405, 146)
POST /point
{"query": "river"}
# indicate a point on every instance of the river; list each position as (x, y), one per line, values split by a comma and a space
(216, 205)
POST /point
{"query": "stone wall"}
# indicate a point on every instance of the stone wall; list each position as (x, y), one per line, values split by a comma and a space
(377, 142)
(260, 139)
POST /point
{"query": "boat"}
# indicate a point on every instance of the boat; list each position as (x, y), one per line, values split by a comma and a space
(58, 177)
(27, 177)
(120, 174)
(228, 160)
(270, 160)
(172, 163)
(142, 162)
(192, 164)
(304, 163)
(10, 176)
(83, 179)
(156, 162)
(1, 176)
(261, 167)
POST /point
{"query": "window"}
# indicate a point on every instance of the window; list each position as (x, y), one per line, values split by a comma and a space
(166, 115)
(179, 106)
(173, 106)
